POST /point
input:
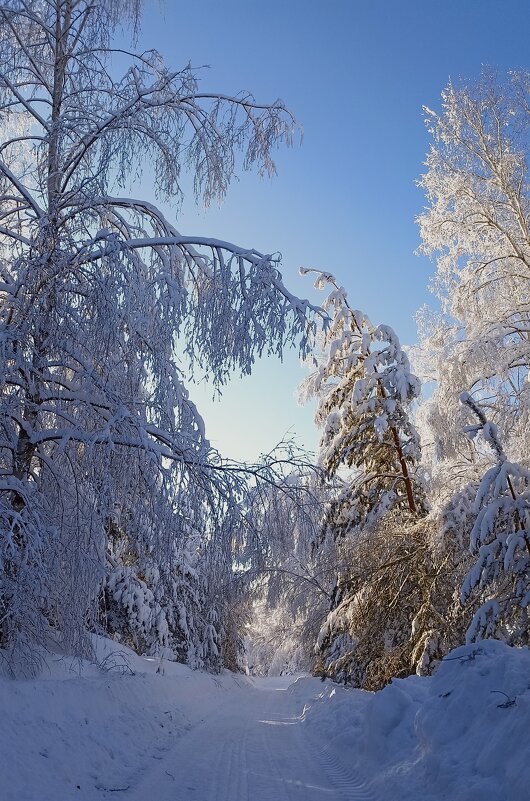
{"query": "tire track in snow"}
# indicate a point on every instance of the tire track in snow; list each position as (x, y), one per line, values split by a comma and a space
(344, 783)
(241, 767)
(351, 784)
(220, 787)
(225, 782)
(299, 773)
(273, 764)
(253, 748)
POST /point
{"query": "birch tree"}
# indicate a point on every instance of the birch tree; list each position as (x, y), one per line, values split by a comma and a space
(476, 226)
(97, 291)
(290, 588)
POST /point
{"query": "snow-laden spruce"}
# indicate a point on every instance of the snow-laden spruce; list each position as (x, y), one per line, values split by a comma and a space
(500, 540)
(382, 617)
(364, 387)
(101, 447)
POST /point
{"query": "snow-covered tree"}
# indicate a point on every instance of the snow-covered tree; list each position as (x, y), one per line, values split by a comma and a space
(475, 347)
(364, 388)
(385, 618)
(289, 581)
(476, 225)
(157, 600)
(382, 589)
(99, 292)
(500, 541)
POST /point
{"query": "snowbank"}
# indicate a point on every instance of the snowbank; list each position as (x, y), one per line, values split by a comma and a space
(460, 735)
(81, 733)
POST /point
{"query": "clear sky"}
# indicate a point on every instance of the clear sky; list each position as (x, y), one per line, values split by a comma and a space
(356, 75)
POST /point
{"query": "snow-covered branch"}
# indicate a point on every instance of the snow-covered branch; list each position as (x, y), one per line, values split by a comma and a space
(106, 312)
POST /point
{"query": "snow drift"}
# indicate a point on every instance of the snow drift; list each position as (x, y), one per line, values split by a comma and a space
(460, 734)
(85, 732)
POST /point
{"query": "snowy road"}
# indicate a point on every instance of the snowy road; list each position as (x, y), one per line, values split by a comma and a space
(254, 750)
(181, 735)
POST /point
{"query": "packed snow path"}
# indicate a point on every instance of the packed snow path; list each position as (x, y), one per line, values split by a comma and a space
(132, 728)
(252, 750)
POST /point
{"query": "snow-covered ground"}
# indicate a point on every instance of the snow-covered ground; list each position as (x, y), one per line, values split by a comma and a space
(460, 735)
(82, 733)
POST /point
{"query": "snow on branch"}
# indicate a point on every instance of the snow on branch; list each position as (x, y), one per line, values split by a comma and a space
(106, 313)
(364, 386)
(500, 540)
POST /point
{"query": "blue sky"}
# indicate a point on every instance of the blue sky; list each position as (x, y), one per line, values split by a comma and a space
(355, 74)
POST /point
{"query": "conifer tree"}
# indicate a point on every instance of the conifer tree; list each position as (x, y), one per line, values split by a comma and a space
(500, 540)
(364, 388)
